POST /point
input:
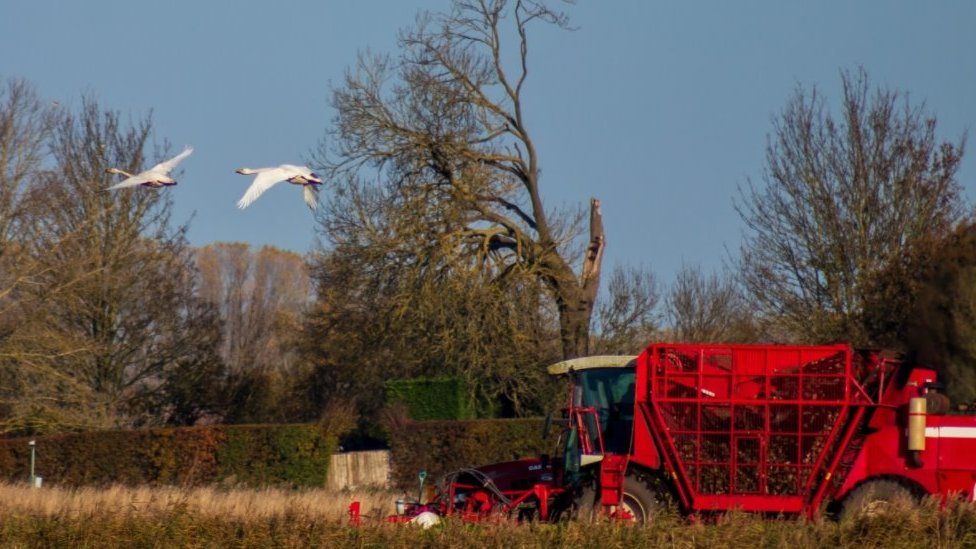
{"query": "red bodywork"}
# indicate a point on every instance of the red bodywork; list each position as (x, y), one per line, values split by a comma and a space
(490, 492)
(764, 428)
(782, 429)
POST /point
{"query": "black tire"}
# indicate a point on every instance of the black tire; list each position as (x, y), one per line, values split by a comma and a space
(875, 497)
(638, 500)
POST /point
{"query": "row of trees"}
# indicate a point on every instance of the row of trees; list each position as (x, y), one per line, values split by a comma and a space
(438, 255)
(440, 191)
(81, 345)
(109, 317)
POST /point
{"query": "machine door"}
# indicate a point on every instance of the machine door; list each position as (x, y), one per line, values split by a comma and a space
(611, 392)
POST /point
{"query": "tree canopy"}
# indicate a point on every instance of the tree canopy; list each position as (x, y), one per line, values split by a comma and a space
(844, 193)
(441, 132)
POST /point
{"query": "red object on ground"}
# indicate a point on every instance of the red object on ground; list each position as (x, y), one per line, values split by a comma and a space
(355, 519)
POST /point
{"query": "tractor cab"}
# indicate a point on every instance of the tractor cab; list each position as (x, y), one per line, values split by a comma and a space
(600, 416)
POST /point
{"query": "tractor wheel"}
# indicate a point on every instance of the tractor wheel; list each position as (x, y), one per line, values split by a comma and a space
(638, 501)
(876, 498)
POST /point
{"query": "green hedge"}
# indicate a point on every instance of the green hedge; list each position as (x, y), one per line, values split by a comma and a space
(431, 398)
(443, 446)
(288, 454)
(251, 455)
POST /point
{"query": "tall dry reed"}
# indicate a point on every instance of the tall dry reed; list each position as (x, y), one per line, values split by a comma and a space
(238, 504)
(168, 517)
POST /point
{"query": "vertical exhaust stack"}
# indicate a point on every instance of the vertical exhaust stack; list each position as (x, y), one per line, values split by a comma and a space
(917, 410)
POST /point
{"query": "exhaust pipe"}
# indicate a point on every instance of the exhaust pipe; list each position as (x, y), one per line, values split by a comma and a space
(917, 409)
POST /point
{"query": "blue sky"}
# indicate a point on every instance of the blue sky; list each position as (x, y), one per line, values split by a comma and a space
(659, 109)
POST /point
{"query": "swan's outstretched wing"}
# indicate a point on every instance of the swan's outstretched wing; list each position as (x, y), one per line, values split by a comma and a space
(133, 181)
(264, 181)
(311, 196)
(297, 170)
(166, 167)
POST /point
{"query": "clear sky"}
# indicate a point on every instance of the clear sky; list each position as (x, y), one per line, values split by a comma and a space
(659, 109)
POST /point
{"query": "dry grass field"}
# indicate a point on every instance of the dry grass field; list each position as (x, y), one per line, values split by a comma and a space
(241, 504)
(206, 517)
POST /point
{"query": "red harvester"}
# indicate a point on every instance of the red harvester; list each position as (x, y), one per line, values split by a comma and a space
(764, 428)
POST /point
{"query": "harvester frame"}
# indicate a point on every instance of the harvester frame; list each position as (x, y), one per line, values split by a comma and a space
(773, 429)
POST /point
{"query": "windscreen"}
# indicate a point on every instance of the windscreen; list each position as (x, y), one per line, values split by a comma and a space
(611, 392)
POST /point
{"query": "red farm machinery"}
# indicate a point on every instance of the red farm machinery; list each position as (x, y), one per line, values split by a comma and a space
(772, 429)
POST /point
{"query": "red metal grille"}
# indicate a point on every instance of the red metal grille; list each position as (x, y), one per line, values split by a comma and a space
(750, 420)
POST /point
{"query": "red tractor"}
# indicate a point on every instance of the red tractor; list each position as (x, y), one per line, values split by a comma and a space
(764, 428)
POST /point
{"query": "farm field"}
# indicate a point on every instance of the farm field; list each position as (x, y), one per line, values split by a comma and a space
(207, 517)
(502, 273)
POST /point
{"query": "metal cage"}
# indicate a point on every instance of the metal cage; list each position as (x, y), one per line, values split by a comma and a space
(758, 427)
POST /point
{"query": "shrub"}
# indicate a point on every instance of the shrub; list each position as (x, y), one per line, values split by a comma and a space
(431, 398)
(253, 455)
(440, 447)
(165, 456)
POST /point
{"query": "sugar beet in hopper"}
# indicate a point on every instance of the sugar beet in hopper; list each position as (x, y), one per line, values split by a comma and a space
(761, 428)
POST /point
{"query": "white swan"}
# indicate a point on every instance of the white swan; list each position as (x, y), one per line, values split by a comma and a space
(157, 176)
(267, 177)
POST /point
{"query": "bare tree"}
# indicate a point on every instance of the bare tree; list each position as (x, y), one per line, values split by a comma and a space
(840, 197)
(25, 123)
(260, 297)
(444, 127)
(708, 308)
(626, 318)
(114, 283)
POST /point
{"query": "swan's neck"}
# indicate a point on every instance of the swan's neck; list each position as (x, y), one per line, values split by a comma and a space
(120, 172)
(247, 171)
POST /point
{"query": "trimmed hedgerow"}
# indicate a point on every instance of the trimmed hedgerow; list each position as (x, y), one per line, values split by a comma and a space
(289, 454)
(439, 447)
(431, 398)
(251, 455)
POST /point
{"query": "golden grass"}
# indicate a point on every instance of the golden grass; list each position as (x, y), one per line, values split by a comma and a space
(213, 517)
(238, 504)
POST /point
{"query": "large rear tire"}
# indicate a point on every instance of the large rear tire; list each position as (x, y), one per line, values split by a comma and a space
(638, 500)
(876, 498)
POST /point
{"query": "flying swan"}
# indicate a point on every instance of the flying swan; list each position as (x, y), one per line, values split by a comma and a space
(267, 177)
(155, 177)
